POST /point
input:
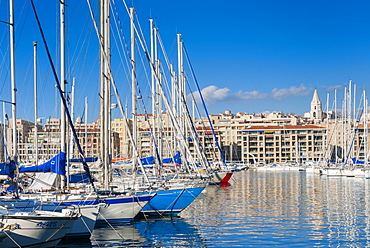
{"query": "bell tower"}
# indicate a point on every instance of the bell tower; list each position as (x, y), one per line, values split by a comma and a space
(316, 111)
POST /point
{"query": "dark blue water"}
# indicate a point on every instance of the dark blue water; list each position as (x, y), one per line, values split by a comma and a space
(294, 209)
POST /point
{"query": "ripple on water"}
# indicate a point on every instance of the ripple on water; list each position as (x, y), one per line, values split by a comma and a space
(291, 209)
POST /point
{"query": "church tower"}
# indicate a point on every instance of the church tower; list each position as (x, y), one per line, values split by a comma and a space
(316, 111)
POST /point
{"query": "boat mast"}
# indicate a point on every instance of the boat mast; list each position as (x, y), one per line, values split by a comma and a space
(327, 148)
(181, 83)
(133, 85)
(107, 93)
(102, 87)
(4, 132)
(35, 141)
(349, 116)
(158, 97)
(174, 103)
(14, 91)
(344, 119)
(153, 80)
(71, 142)
(335, 127)
(63, 83)
(105, 90)
(86, 119)
(181, 94)
(13, 84)
(366, 132)
(105, 54)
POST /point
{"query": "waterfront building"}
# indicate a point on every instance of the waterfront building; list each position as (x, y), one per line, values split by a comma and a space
(48, 140)
(120, 128)
(249, 137)
(274, 144)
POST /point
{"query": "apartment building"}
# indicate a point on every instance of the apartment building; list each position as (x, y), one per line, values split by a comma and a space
(254, 138)
(272, 144)
(48, 140)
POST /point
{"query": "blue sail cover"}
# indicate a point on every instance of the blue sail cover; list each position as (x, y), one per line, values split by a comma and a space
(88, 160)
(79, 178)
(148, 160)
(355, 161)
(8, 169)
(57, 165)
(176, 159)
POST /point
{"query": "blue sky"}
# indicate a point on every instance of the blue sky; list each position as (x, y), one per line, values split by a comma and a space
(248, 56)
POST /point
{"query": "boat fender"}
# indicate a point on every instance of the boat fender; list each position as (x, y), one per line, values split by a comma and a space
(68, 212)
(105, 207)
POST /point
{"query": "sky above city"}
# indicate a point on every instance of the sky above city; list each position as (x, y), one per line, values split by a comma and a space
(248, 56)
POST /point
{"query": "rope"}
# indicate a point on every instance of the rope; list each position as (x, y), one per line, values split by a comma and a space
(85, 166)
(111, 226)
(61, 226)
(12, 239)
(91, 234)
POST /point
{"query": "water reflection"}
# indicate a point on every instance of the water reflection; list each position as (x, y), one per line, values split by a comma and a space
(262, 208)
(149, 233)
(281, 208)
(116, 235)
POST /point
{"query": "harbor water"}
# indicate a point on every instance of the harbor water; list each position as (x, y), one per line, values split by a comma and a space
(258, 208)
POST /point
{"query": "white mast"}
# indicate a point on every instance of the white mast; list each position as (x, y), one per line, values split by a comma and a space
(344, 114)
(174, 89)
(35, 99)
(62, 81)
(327, 129)
(4, 131)
(159, 110)
(102, 86)
(153, 54)
(182, 93)
(366, 132)
(158, 97)
(71, 142)
(181, 81)
(174, 103)
(349, 111)
(354, 118)
(14, 90)
(106, 85)
(335, 127)
(86, 119)
(153, 72)
(133, 85)
(13, 84)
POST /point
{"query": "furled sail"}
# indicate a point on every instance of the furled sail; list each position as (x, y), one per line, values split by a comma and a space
(8, 169)
(176, 159)
(57, 165)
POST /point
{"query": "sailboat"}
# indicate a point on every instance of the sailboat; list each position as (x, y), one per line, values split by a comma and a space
(36, 228)
(116, 207)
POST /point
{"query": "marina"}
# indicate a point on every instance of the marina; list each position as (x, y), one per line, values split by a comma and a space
(259, 208)
(155, 168)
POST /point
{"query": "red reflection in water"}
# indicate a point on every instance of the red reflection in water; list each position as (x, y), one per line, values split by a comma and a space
(227, 184)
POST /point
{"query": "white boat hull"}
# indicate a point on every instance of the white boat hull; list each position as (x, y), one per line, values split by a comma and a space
(36, 230)
(120, 212)
(84, 226)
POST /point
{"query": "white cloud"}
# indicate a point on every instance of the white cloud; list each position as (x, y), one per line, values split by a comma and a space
(212, 94)
(293, 91)
(335, 87)
(215, 93)
(250, 95)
